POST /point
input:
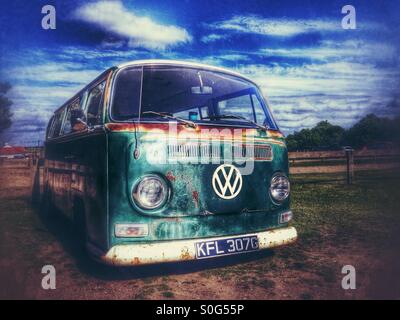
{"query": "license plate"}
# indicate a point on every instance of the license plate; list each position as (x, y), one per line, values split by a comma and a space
(206, 249)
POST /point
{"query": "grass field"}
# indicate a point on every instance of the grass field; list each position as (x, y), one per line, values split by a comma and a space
(337, 224)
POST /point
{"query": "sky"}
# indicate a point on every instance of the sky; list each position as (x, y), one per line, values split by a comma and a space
(308, 66)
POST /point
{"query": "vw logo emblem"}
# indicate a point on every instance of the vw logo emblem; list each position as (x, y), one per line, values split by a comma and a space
(227, 181)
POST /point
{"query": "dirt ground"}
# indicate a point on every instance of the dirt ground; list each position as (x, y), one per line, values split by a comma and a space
(338, 225)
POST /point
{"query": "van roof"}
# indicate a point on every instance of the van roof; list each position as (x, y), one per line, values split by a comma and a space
(183, 64)
(159, 62)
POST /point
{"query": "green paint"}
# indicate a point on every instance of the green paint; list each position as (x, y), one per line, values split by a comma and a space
(193, 209)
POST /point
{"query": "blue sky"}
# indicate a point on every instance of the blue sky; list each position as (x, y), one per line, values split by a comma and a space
(308, 66)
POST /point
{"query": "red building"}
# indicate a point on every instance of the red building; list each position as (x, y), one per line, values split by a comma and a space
(12, 152)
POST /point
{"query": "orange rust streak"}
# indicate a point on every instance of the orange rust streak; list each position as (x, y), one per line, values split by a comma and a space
(128, 127)
(195, 196)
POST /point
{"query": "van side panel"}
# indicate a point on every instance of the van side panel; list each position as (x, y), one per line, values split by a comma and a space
(77, 178)
(92, 149)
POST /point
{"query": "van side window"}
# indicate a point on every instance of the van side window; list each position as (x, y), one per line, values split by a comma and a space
(50, 127)
(57, 123)
(93, 105)
(261, 119)
(74, 112)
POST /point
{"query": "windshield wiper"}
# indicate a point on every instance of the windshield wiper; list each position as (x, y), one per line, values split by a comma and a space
(168, 115)
(232, 116)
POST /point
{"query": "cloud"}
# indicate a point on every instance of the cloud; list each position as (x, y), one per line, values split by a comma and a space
(54, 72)
(284, 27)
(329, 50)
(212, 37)
(326, 78)
(143, 32)
(275, 27)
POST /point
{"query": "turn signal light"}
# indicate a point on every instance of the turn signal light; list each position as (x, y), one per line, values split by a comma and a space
(129, 230)
(285, 217)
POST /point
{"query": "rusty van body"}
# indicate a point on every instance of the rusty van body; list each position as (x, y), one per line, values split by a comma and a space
(161, 161)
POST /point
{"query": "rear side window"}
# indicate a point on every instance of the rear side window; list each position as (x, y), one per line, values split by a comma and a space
(50, 127)
(127, 94)
(94, 104)
(57, 124)
(72, 108)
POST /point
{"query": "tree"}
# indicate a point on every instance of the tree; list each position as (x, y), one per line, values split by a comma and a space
(368, 130)
(5, 104)
(323, 136)
(327, 135)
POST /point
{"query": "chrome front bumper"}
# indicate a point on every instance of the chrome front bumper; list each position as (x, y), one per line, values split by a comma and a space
(183, 250)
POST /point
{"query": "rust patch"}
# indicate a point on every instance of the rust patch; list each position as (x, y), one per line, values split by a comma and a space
(136, 260)
(114, 259)
(185, 255)
(170, 176)
(195, 196)
(170, 219)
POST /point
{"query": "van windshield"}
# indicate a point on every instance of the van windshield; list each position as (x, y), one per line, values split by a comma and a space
(192, 94)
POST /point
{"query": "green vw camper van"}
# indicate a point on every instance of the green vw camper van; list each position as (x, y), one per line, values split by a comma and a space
(162, 161)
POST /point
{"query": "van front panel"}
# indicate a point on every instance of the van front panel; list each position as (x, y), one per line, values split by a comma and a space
(193, 209)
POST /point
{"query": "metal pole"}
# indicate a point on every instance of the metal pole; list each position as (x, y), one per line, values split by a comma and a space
(350, 165)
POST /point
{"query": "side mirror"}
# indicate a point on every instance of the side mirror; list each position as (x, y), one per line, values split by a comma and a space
(266, 124)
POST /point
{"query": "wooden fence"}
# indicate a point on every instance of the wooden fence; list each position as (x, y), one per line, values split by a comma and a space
(341, 161)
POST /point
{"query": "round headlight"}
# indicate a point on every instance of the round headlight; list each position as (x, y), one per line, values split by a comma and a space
(151, 192)
(280, 187)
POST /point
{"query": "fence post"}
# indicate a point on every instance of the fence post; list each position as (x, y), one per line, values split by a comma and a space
(350, 165)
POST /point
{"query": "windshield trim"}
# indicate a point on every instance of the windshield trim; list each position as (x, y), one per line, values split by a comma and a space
(221, 122)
